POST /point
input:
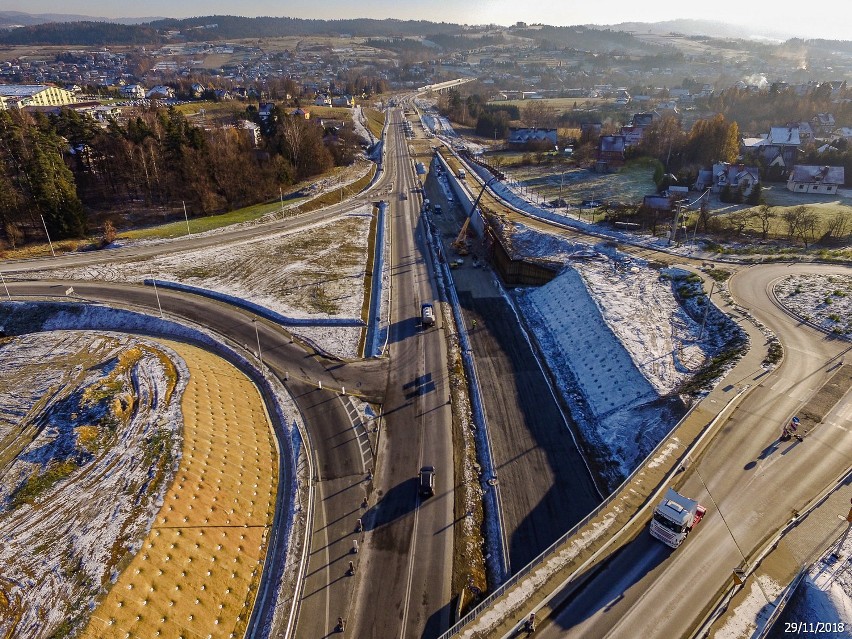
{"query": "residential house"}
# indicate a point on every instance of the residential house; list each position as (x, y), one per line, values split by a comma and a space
(843, 132)
(322, 100)
(667, 107)
(806, 131)
(197, 89)
(660, 203)
(636, 129)
(734, 176)
(678, 93)
(610, 153)
(535, 136)
(815, 179)
(823, 123)
(265, 110)
(160, 92)
(132, 91)
(779, 148)
(343, 101)
(252, 132)
(704, 180)
(300, 113)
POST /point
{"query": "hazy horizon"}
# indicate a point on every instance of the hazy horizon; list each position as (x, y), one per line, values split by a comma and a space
(762, 14)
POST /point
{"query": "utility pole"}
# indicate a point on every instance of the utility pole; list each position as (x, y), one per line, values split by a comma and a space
(673, 233)
(706, 310)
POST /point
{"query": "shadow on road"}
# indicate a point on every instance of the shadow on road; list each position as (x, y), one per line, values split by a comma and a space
(437, 621)
(545, 485)
(398, 502)
(616, 576)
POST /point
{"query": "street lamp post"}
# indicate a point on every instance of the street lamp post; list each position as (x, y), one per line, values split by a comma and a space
(186, 217)
(156, 293)
(48, 235)
(257, 336)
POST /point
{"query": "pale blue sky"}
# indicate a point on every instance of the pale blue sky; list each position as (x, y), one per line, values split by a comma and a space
(832, 20)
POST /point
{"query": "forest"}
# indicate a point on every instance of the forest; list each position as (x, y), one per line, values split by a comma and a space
(211, 28)
(62, 172)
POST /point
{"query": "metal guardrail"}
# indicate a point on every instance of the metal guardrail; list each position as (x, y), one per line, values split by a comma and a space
(374, 313)
(763, 633)
(256, 308)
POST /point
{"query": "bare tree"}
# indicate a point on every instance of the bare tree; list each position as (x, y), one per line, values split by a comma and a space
(809, 227)
(537, 114)
(838, 226)
(793, 220)
(765, 215)
(738, 220)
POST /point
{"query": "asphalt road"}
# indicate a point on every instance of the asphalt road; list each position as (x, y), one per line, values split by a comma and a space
(404, 581)
(545, 484)
(750, 482)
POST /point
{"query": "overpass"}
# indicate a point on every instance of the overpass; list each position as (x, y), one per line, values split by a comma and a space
(441, 87)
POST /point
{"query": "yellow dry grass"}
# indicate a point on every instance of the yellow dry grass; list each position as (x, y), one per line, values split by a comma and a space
(197, 572)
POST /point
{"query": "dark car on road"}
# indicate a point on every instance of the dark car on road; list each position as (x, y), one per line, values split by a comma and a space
(426, 481)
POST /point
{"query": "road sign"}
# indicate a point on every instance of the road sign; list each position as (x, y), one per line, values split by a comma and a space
(739, 577)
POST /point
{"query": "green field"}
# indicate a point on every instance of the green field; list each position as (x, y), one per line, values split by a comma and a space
(628, 186)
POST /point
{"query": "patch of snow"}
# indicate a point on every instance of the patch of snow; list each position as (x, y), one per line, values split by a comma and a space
(61, 545)
(753, 612)
(618, 342)
(825, 300)
(312, 272)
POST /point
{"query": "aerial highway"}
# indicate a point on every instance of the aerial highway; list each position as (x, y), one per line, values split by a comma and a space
(399, 581)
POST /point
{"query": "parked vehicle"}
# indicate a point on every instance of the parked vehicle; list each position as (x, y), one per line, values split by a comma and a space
(426, 481)
(427, 315)
(462, 174)
(674, 517)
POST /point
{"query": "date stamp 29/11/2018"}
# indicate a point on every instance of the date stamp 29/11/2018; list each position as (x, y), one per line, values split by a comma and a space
(830, 628)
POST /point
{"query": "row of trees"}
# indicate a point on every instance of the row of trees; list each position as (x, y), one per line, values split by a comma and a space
(66, 167)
